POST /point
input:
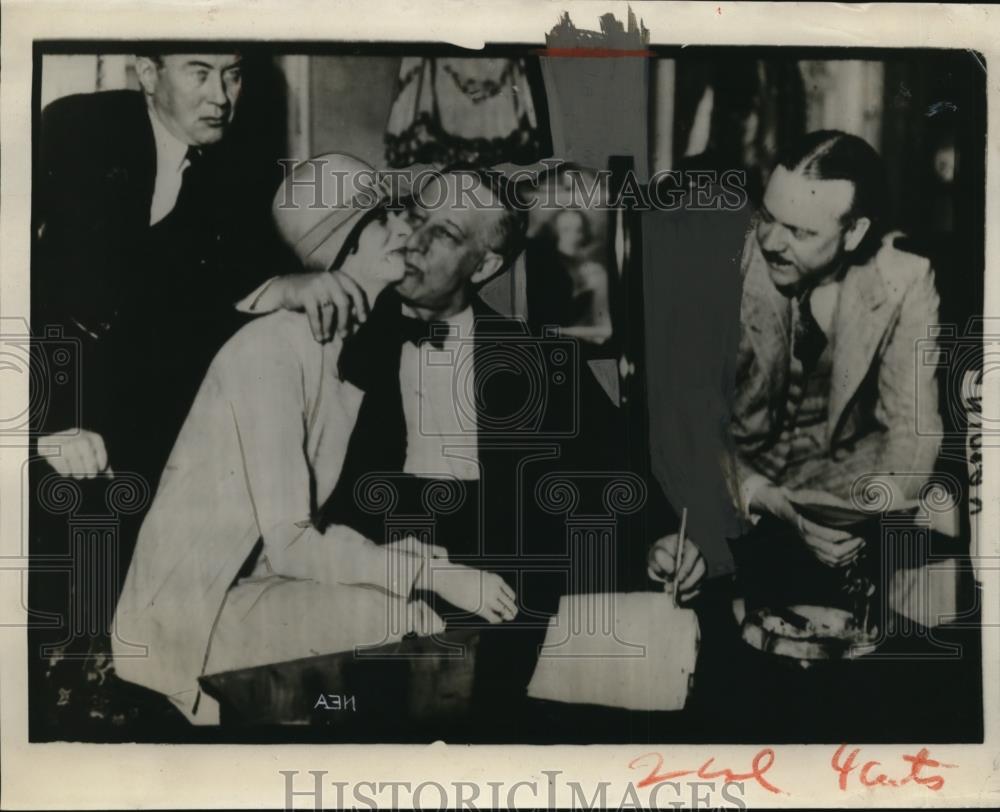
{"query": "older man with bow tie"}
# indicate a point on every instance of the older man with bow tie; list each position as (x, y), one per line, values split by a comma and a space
(290, 521)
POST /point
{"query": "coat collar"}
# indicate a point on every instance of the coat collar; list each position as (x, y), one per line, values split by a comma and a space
(860, 322)
(135, 159)
(506, 388)
(767, 318)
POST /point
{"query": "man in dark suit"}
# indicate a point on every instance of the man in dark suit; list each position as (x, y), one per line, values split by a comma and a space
(148, 234)
(152, 220)
(126, 209)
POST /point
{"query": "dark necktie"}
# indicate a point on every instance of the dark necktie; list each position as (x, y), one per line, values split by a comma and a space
(193, 192)
(809, 340)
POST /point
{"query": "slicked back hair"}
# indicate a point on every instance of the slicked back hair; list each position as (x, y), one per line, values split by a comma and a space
(150, 52)
(836, 155)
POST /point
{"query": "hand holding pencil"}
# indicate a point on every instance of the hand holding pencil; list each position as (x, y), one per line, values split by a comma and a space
(680, 566)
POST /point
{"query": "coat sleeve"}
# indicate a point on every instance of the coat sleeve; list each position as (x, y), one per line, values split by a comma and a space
(749, 424)
(748, 438)
(237, 474)
(271, 377)
(74, 263)
(907, 402)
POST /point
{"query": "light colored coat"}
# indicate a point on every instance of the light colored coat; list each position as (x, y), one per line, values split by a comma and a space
(263, 445)
(880, 382)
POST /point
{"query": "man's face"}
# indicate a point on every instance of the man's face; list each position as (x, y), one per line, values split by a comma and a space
(802, 233)
(447, 247)
(194, 95)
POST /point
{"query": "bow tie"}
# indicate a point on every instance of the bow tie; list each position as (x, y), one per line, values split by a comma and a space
(374, 350)
(416, 330)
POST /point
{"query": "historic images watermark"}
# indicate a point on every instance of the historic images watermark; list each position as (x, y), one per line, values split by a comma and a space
(538, 793)
(665, 190)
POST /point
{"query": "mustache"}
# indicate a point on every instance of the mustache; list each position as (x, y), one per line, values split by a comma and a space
(775, 258)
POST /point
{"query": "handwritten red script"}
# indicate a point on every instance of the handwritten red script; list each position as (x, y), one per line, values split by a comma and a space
(759, 766)
(846, 765)
(869, 774)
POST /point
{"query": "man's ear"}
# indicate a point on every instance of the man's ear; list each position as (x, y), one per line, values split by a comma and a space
(148, 73)
(490, 266)
(856, 233)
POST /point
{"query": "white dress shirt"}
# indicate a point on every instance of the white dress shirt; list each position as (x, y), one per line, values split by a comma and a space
(171, 161)
(437, 390)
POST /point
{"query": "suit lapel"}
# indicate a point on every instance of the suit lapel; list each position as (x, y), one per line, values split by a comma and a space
(137, 165)
(498, 396)
(146, 158)
(860, 322)
(509, 426)
(767, 320)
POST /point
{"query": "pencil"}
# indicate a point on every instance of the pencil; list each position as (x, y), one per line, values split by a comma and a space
(679, 555)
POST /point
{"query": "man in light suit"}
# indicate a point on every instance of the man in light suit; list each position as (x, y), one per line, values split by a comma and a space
(266, 542)
(829, 380)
